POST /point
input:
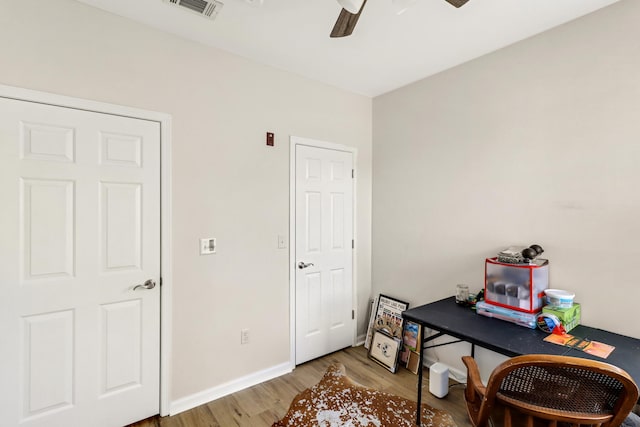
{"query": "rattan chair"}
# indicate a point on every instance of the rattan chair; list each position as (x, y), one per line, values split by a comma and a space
(550, 391)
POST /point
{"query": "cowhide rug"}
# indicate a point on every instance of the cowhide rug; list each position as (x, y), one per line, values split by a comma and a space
(338, 401)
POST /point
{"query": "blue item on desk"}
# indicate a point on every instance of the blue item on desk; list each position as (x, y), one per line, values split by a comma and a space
(518, 317)
(550, 323)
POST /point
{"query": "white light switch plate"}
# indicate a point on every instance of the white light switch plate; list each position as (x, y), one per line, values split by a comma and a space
(282, 242)
(208, 246)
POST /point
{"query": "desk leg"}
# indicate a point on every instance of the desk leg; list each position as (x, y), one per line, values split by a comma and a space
(423, 341)
(420, 368)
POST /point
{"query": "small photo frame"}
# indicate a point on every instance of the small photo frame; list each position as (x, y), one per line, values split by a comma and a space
(384, 349)
(413, 361)
(411, 340)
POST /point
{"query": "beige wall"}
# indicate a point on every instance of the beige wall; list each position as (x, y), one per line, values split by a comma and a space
(226, 182)
(536, 143)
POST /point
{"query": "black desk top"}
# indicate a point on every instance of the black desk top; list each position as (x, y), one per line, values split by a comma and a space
(513, 340)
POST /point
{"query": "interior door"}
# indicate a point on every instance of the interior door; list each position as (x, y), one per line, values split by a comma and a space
(323, 251)
(80, 227)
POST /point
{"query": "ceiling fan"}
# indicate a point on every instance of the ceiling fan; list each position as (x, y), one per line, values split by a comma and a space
(351, 10)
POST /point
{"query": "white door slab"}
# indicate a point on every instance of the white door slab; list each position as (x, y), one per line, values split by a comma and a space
(323, 251)
(80, 229)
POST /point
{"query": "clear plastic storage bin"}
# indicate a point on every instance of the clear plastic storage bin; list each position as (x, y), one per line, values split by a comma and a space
(516, 286)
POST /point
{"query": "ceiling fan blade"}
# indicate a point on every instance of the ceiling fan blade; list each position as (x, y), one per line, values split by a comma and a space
(457, 3)
(346, 22)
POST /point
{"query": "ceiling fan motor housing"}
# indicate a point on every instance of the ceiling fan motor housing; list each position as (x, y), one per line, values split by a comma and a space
(353, 6)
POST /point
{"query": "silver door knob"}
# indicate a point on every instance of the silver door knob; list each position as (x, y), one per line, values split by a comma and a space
(149, 284)
(302, 265)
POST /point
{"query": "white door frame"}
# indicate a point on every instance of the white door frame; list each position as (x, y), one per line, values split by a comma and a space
(164, 120)
(294, 141)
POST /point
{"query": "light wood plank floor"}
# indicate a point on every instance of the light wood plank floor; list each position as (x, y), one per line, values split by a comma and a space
(263, 404)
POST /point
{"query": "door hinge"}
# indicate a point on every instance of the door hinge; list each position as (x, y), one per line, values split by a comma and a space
(160, 281)
(353, 314)
(353, 244)
(353, 173)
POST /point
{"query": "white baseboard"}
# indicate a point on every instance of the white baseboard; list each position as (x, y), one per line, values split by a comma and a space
(360, 340)
(206, 396)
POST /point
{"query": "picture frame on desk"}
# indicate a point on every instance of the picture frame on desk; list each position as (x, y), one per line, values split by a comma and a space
(384, 350)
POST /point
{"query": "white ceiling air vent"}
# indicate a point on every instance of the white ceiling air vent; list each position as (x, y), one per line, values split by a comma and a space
(207, 8)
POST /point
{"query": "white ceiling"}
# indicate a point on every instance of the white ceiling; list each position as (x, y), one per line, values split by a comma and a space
(386, 50)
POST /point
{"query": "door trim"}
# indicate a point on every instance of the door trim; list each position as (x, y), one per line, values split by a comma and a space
(293, 142)
(164, 120)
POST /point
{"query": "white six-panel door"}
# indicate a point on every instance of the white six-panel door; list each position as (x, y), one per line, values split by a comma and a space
(323, 251)
(80, 227)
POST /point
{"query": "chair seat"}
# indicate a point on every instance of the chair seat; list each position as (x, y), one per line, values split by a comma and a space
(550, 390)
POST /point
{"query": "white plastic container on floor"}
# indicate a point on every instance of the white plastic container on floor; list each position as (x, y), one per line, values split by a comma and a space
(439, 379)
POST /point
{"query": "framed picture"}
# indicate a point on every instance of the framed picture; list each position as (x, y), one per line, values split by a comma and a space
(413, 361)
(410, 340)
(372, 317)
(386, 316)
(384, 349)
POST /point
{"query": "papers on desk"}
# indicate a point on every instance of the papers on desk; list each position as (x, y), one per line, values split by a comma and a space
(594, 348)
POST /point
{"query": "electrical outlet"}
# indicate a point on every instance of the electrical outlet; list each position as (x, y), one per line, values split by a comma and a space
(244, 336)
